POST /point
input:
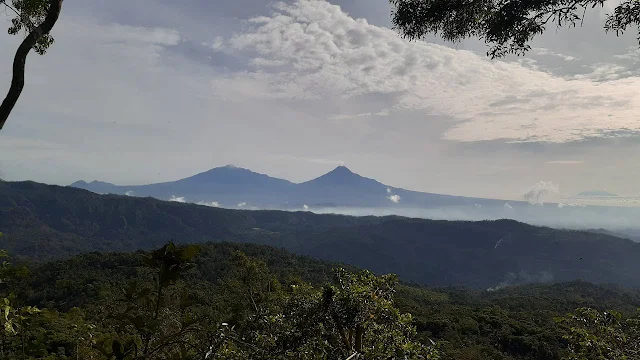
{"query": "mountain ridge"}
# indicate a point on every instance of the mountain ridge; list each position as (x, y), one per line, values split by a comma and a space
(231, 186)
(597, 193)
(46, 222)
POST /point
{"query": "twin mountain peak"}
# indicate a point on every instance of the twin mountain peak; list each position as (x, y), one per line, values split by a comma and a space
(231, 174)
(232, 186)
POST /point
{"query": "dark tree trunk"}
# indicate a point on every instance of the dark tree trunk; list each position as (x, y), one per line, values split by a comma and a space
(19, 61)
(359, 335)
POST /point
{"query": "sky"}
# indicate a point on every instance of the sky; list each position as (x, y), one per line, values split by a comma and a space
(136, 92)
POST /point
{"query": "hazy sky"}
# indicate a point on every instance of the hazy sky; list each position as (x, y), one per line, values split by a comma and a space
(145, 91)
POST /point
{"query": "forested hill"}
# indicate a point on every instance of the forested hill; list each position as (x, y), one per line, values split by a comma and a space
(513, 323)
(47, 222)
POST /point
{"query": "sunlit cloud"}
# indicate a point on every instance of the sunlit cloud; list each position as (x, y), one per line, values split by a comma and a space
(394, 198)
(329, 54)
(536, 194)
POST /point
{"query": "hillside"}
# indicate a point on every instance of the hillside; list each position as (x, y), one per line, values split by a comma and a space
(51, 222)
(515, 323)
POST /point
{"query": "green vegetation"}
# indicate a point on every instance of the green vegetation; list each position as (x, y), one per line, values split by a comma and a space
(507, 25)
(245, 301)
(99, 291)
(167, 304)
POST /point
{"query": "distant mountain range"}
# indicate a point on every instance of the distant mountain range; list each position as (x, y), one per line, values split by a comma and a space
(234, 187)
(596, 193)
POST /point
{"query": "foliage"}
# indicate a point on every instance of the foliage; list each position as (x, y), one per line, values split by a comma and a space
(166, 309)
(292, 319)
(507, 25)
(594, 334)
(27, 15)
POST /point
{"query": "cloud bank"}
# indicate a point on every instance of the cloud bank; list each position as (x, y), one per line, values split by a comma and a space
(313, 50)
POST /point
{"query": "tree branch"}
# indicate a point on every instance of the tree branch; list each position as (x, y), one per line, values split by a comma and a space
(4, 2)
(19, 61)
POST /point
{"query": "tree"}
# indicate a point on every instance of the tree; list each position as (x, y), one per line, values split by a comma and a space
(506, 25)
(594, 335)
(36, 18)
(155, 322)
(363, 316)
(353, 318)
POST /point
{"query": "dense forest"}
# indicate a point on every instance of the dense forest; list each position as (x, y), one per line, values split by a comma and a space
(245, 301)
(46, 222)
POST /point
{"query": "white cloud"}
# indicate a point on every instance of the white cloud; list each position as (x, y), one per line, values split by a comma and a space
(218, 44)
(508, 206)
(305, 207)
(547, 52)
(389, 190)
(211, 204)
(535, 195)
(394, 198)
(180, 199)
(129, 193)
(563, 205)
(565, 162)
(328, 55)
(242, 204)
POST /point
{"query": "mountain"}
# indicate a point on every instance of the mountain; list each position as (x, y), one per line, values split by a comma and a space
(47, 222)
(233, 187)
(228, 185)
(597, 193)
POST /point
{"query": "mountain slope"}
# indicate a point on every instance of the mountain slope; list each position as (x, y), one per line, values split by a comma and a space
(597, 193)
(45, 222)
(228, 185)
(516, 323)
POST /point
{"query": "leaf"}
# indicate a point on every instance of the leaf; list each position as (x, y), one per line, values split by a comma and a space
(189, 252)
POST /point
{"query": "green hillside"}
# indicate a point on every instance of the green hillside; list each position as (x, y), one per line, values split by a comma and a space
(45, 222)
(514, 323)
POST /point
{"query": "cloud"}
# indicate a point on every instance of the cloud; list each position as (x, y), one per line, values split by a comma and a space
(328, 55)
(385, 112)
(507, 206)
(565, 162)
(179, 199)
(211, 204)
(104, 83)
(535, 195)
(242, 204)
(389, 190)
(129, 193)
(394, 198)
(563, 205)
(547, 52)
(218, 44)
(305, 207)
